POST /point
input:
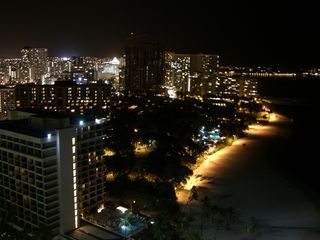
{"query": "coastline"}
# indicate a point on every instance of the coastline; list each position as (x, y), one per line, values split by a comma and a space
(241, 177)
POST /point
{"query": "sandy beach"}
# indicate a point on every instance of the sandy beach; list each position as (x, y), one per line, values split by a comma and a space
(241, 176)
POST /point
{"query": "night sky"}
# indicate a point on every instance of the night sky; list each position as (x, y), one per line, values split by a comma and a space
(242, 32)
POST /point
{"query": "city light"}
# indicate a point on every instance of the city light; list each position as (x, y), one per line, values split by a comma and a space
(122, 209)
(100, 120)
(115, 61)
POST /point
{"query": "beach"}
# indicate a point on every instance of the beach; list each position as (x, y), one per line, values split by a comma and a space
(243, 176)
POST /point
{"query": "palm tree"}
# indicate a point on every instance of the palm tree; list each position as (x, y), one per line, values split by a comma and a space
(222, 218)
(127, 221)
(192, 196)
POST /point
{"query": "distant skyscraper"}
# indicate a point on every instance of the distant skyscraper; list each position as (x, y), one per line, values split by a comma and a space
(191, 73)
(82, 70)
(109, 71)
(177, 71)
(237, 86)
(9, 71)
(227, 86)
(144, 65)
(204, 64)
(14, 75)
(33, 64)
(7, 101)
(248, 87)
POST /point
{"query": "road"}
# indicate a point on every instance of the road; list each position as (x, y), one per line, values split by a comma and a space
(240, 176)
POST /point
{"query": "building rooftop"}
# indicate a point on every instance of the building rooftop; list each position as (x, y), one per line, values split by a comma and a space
(39, 123)
(74, 118)
(22, 126)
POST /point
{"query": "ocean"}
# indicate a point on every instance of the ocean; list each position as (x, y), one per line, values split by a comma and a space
(301, 154)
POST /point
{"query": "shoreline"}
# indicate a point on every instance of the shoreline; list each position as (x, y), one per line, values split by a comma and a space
(244, 178)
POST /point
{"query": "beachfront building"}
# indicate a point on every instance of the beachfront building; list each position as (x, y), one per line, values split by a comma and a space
(51, 170)
(64, 96)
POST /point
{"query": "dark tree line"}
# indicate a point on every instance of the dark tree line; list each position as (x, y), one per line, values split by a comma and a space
(168, 128)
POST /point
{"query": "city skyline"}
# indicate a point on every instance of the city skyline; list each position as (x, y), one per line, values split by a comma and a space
(276, 35)
(154, 120)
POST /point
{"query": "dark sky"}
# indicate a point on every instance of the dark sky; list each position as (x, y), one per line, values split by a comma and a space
(283, 34)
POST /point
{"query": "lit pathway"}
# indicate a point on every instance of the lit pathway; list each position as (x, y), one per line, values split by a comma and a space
(240, 176)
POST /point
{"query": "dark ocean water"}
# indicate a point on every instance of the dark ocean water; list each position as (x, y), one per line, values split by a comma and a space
(299, 88)
(301, 154)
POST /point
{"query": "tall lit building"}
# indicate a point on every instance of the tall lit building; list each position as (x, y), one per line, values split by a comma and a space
(9, 71)
(227, 86)
(7, 101)
(64, 96)
(204, 64)
(3, 80)
(33, 64)
(57, 66)
(13, 75)
(83, 70)
(235, 86)
(203, 84)
(109, 71)
(144, 68)
(248, 87)
(177, 71)
(191, 73)
(51, 170)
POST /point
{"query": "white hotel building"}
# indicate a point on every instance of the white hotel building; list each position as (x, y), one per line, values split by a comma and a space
(51, 170)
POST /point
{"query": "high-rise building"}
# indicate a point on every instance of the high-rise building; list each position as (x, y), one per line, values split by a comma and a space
(227, 86)
(203, 84)
(191, 73)
(177, 71)
(203, 70)
(7, 101)
(33, 64)
(109, 71)
(235, 86)
(83, 70)
(51, 170)
(248, 87)
(144, 68)
(204, 64)
(9, 71)
(64, 96)
(13, 75)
